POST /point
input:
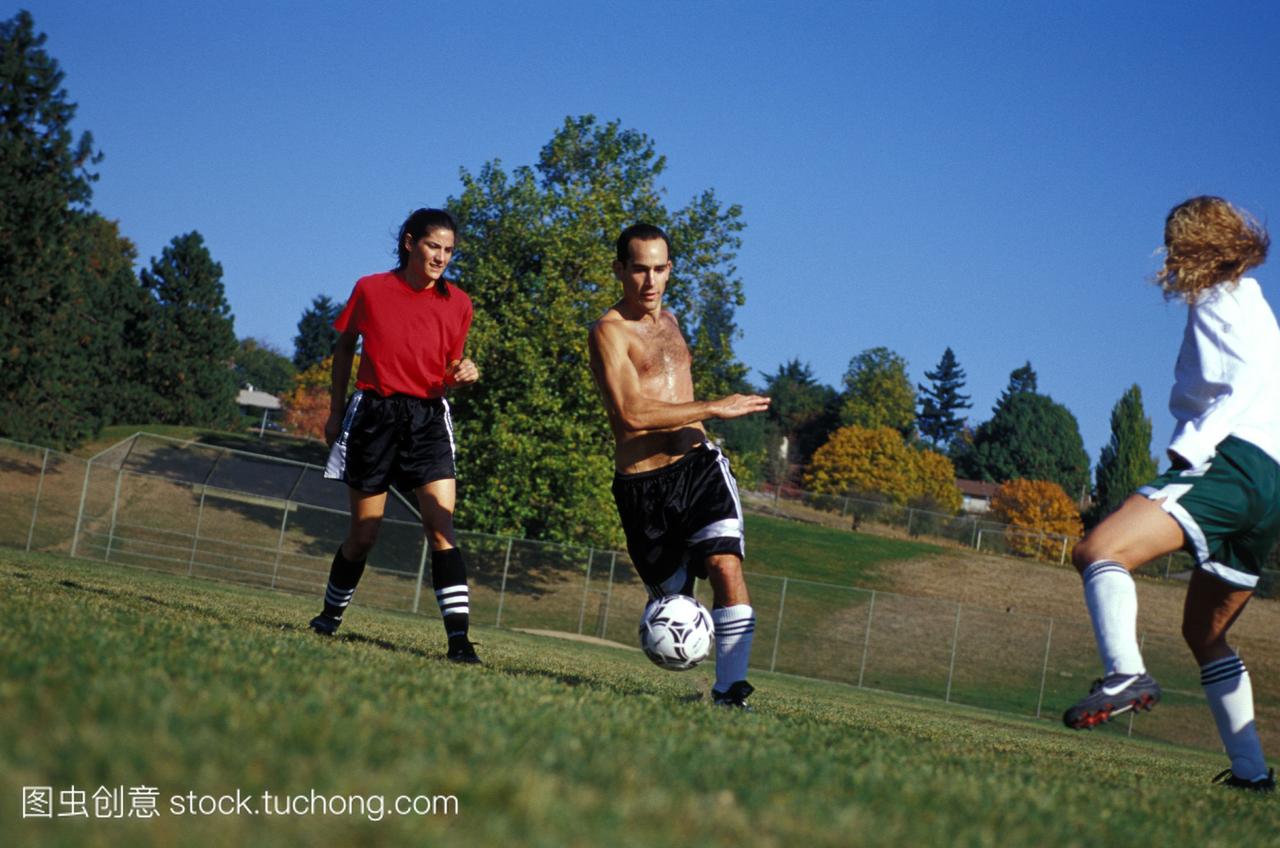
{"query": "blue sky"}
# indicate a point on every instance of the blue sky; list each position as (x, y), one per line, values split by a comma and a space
(991, 177)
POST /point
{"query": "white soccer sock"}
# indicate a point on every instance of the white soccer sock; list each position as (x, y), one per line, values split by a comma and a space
(1112, 599)
(735, 626)
(1226, 685)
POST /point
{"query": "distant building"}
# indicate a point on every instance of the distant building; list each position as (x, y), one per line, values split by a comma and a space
(976, 495)
(253, 402)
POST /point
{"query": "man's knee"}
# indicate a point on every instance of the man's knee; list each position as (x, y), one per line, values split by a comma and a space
(724, 565)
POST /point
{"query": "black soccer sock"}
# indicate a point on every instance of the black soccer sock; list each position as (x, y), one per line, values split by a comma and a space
(449, 579)
(343, 577)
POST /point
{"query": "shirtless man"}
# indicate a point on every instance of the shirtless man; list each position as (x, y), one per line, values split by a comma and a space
(675, 493)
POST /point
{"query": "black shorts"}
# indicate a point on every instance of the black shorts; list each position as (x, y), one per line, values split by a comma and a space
(676, 516)
(400, 441)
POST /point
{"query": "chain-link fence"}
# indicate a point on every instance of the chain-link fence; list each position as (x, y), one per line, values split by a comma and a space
(222, 514)
(970, 530)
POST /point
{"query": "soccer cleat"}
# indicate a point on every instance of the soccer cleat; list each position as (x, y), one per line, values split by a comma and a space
(735, 697)
(1110, 696)
(1262, 786)
(462, 651)
(325, 625)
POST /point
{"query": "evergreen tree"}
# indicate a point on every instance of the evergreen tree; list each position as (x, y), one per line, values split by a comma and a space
(1020, 380)
(1030, 437)
(190, 341)
(47, 390)
(118, 315)
(1125, 462)
(940, 401)
(316, 335)
(878, 392)
(802, 410)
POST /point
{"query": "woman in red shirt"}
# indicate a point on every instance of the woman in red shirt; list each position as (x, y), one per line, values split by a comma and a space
(396, 429)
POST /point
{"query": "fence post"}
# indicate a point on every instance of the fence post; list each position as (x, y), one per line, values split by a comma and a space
(910, 515)
(1044, 671)
(502, 590)
(35, 507)
(422, 569)
(844, 510)
(608, 595)
(284, 520)
(955, 644)
(977, 544)
(973, 541)
(586, 586)
(777, 634)
(1168, 564)
(84, 495)
(115, 509)
(195, 541)
(1062, 560)
(866, 640)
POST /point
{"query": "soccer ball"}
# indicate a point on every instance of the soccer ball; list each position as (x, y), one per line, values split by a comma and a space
(676, 632)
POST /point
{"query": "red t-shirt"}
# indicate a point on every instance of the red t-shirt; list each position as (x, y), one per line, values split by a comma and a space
(410, 337)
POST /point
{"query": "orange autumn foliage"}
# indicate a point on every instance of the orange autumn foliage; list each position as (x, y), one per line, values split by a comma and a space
(306, 407)
(1039, 513)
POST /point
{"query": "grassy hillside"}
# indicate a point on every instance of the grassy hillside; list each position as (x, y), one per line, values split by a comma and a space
(793, 549)
(113, 677)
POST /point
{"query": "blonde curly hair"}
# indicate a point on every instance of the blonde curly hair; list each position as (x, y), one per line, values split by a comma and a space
(1207, 242)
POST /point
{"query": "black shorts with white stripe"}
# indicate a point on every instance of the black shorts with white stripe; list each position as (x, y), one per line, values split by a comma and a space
(676, 516)
(400, 441)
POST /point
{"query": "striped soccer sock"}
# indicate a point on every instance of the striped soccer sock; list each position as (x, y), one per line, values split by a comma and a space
(735, 627)
(344, 575)
(449, 579)
(1112, 598)
(1230, 694)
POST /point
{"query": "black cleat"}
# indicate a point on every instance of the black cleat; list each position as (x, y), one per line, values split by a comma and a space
(1263, 786)
(462, 651)
(735, 697)
(325, 625)
(1110, 696)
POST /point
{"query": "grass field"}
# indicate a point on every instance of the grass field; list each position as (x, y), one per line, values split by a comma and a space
(114, 677)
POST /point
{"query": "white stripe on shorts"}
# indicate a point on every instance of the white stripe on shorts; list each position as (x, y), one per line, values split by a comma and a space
(1231, 576)
(1168, 501)
(336, 466)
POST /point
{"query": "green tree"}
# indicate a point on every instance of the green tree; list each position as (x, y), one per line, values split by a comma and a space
(535, 253)
(190, 340)
(1032, 437)
(940, 401)
(803, 411)
(263, 366)
(316, 335)
(1020, 380)
(878, 393)
(117, 316)
(47, 390)
(1125, 462)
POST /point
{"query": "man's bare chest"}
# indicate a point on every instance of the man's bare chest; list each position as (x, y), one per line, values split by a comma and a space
(660, 355)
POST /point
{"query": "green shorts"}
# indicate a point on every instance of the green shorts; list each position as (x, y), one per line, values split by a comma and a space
(1228, 508)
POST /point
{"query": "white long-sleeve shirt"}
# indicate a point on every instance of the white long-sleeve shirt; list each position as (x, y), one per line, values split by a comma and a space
(1227, 380)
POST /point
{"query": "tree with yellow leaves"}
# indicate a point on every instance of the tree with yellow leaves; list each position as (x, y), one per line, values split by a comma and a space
(877, 460)
(1039, 513)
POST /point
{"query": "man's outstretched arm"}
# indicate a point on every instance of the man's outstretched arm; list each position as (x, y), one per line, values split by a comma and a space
(619, 382)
